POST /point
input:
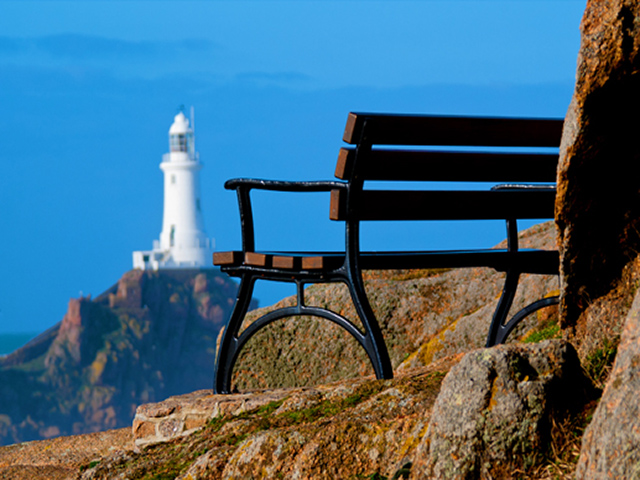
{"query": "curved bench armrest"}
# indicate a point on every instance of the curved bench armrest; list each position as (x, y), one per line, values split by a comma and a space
(243, 187)
(525, 186)
(282, 186)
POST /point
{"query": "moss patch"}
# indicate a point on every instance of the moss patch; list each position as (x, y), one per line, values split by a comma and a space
(546, 332)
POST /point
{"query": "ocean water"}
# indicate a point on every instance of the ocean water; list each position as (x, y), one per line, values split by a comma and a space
(12, 341)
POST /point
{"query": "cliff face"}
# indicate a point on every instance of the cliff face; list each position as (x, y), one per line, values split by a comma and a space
(150, 336)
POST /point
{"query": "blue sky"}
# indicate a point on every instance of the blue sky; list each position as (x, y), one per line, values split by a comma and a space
(88, 91)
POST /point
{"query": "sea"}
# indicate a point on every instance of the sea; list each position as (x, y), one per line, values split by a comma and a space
(10, 342)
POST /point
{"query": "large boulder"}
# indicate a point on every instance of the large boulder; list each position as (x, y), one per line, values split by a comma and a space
(598, 201)
(496, 407)
(610, 443)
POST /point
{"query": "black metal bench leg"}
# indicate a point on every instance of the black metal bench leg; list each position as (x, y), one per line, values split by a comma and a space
(229, 343)
(502, 310)
(373, 340)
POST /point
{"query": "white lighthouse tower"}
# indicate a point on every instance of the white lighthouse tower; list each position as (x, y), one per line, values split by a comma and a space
(183, 242)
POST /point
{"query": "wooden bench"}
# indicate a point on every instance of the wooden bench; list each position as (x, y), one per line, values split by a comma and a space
(399, 148)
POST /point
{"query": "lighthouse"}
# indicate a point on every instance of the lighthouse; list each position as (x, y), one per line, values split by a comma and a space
(183, 242)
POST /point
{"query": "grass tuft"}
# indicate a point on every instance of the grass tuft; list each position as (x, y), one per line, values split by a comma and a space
(598, 364)
(546, 332)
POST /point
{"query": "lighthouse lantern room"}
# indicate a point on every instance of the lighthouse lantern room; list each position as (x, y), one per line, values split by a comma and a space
(183, 242)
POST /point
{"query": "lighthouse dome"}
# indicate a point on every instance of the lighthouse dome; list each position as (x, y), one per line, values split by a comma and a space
(180, 125)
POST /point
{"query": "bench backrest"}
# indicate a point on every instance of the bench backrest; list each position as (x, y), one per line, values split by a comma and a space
(384, 150)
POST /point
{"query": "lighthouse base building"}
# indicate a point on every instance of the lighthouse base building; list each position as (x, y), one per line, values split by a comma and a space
(183, 242)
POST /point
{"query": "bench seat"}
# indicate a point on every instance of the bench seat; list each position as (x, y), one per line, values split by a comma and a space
(543, 262)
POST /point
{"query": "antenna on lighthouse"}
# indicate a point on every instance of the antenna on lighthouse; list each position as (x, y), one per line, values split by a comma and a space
(193, 130)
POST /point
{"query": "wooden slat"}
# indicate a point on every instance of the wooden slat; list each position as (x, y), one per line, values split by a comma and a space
(286, 262)
(382, 129)
(228, 258)
(337, 204)
(531, 261)
(257, 259)
(353, 128)
(403, 165)
(344, 165)
(446, 205)
(314, 263)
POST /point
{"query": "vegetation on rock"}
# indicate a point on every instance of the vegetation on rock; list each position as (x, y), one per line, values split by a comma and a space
(354, 420)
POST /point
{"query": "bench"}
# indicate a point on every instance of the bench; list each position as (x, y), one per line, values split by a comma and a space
(400, 148)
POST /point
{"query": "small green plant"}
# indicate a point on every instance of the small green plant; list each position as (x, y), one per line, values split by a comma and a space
(269, 408)
(90, 465)
(547, 332)
(216, 423)
(598, 364)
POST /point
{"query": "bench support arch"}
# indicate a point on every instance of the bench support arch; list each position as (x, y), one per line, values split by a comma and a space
(233, 341)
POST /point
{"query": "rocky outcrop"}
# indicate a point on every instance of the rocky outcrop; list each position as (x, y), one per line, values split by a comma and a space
(130, 345)
(181, 416)
(491, 417)
(362, 428)
(598, 202)
(610, 443)
(80, 334)
(496, 407)
(62, 458)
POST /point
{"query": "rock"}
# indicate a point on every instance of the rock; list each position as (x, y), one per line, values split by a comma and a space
(600, 325)
(181, 415)
(80, 335)
(61, 458)
(495, 409)
(352, 429)
(610, 443)
(598, 201)
(129, 292)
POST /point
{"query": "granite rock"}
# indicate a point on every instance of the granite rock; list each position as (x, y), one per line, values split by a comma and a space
(598, 201)
(610, 443)
(495, 408)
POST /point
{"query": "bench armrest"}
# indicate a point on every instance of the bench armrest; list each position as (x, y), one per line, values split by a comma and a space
(512, 226)
(524, 186)
(243, 187)
(282, 186)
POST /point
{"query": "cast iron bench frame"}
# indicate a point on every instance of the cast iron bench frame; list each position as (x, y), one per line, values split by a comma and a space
(525, 190)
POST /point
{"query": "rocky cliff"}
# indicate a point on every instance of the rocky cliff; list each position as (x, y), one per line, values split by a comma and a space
(150, 336)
